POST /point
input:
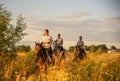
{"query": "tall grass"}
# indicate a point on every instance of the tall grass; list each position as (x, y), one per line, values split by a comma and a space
(102, 67)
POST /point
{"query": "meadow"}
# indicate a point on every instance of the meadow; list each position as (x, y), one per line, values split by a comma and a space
(94, 67)
(16, 65)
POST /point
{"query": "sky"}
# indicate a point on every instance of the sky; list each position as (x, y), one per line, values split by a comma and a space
(98, 21)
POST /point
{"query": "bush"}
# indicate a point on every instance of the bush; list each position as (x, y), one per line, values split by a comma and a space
(93, 48)
(100, 50)
(23, 48)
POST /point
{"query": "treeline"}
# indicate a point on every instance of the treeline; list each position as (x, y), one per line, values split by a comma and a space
(99, 49)
(23, 48)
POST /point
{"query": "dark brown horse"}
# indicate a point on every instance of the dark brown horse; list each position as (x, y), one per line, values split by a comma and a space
(41, 57)
(78, 53)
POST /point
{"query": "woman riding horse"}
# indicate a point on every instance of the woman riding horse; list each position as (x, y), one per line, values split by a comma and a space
(46, 43)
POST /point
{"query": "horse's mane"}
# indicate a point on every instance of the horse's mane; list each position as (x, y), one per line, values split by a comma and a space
(40, 52)
(38, 43)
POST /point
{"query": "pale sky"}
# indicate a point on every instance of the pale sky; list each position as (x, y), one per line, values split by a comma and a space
(98, 21)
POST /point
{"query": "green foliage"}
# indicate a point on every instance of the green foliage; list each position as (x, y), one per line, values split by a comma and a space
(17, 66)
(99, 50)
(93, 48)
(23, 48)
(113, 47)
(10, 34)
(103, 47)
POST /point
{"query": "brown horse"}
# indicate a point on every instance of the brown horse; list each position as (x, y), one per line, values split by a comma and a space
(60, 54)
(78, 53)
(41, 56)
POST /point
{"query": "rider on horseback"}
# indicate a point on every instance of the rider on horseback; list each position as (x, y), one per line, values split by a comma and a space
(80, 44)
(47, 42)
(60, 42)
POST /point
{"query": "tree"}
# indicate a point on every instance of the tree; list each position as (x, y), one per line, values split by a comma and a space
(87, 48)
(92, 48)
(10, 34)
(103, 47)
(23, 48)
(113, 47)
(100, 50)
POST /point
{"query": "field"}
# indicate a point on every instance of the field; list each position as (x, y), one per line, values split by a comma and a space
(94, 67)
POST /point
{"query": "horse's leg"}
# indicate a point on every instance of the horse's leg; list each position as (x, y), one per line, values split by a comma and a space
(84, 53)
(54, 58)
(75, 56)
(36, 62)
(57, 58)
(39, 64)
(61, 56)
(44, 63)
(66, 56)
(45, 66)
(81, 55)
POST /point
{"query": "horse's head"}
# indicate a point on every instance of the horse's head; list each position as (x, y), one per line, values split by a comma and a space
(38, 46)
(39, 53)
(55, 45)
(77, 49)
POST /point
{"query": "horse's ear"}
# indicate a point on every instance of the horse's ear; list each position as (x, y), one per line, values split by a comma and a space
(35, 42)
(41, 43)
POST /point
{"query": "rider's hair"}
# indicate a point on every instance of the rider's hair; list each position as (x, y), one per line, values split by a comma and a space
(59, 34)
(80, 36)
(47, 30)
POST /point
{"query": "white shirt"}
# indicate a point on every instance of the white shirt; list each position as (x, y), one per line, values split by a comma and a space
(59, 41)
(80, 43)
(47, 40)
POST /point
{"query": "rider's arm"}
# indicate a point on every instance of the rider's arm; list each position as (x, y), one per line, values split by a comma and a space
(42, 41)
(77, 43)
(62, 41)
(51, 41)
(83, 44)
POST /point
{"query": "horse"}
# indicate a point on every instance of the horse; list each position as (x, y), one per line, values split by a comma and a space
(78, 53)
(41, 56)
(59, 53)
